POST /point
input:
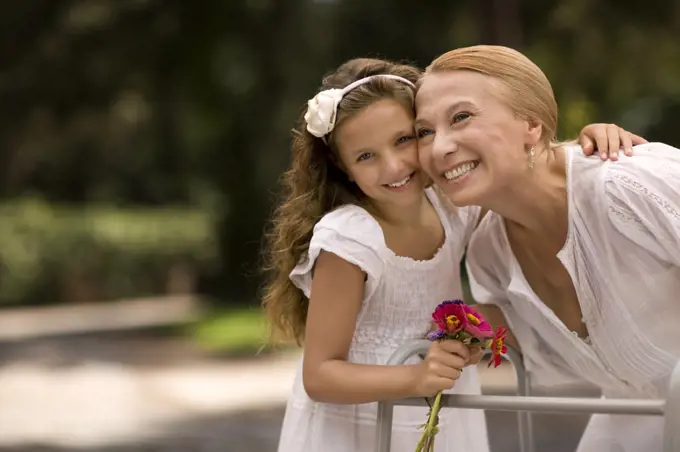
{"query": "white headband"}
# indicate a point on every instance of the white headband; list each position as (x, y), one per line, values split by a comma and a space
(322, 108)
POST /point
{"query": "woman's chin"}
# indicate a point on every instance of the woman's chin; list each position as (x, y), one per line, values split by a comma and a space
(460, 197)
(460, 200)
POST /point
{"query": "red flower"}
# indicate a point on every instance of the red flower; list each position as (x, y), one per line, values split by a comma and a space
(498, 347)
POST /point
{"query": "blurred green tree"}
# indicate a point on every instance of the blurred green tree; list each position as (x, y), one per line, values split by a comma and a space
(151, 103)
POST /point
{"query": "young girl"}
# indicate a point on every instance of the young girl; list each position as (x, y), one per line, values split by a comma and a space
(361, 253)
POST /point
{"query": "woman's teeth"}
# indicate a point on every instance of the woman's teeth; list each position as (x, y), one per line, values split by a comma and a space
(401, 183)
(463, 169)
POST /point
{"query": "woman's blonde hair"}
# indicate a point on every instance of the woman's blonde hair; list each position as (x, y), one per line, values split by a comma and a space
(524, 86)
(315, 185)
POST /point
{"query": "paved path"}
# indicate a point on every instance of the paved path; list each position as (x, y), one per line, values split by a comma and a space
(101, 386)
(87, 392)
(21, 324)
(137, 393)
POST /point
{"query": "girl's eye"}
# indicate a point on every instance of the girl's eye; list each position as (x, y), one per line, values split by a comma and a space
(404, 139)
(422, 133)
(364, 156)
(458, 117)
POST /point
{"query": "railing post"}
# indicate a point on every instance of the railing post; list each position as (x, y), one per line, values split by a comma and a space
(524, 418)
(671, 442)
(384, 424)
(386, 408)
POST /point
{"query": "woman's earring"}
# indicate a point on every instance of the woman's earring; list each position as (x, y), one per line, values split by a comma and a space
(532, 156)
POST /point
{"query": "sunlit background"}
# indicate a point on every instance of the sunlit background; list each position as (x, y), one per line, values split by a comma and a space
(141, 142)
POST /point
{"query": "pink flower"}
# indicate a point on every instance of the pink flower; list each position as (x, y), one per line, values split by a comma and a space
(455, 317)
(476, 325)
(450, 316)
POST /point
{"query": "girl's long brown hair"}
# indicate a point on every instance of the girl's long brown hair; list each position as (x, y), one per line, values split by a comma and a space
(313, 186)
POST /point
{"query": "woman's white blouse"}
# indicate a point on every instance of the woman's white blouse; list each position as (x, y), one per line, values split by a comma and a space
(623, 255)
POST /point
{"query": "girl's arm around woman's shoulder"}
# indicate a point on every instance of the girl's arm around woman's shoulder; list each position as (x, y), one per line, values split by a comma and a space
(642, 196)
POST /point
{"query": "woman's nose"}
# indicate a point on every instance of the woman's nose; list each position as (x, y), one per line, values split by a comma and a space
(443, 145)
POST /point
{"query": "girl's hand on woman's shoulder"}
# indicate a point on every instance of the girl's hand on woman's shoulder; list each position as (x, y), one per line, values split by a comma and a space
(607, 140)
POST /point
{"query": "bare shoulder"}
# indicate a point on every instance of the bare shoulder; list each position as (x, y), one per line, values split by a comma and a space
(332, 264)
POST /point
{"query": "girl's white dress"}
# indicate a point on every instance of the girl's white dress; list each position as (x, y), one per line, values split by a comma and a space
(400, 296)
(623, 255)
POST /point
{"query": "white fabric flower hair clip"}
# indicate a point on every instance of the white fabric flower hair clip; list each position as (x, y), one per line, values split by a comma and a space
(322, 108)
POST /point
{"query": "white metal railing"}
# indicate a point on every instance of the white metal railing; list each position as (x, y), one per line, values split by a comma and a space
(524, 404)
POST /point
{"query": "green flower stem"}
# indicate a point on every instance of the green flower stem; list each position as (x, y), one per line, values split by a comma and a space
(426, 443)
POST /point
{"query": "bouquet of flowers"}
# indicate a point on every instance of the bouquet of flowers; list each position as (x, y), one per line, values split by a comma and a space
(458, 321)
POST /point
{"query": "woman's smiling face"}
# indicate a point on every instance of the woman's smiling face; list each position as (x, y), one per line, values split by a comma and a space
(470, 142)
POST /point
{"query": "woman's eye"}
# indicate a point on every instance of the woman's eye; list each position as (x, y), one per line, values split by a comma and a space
(458, 117)
(404, 139)
(364, 156)
(422, 133)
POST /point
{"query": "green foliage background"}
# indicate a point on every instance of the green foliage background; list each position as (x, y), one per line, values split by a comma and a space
(135, 134)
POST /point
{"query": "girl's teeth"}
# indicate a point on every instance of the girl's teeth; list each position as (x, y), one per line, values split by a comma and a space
(456, 173)
(400, 183)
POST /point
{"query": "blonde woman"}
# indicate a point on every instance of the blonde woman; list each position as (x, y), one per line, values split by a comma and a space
(582, 257)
